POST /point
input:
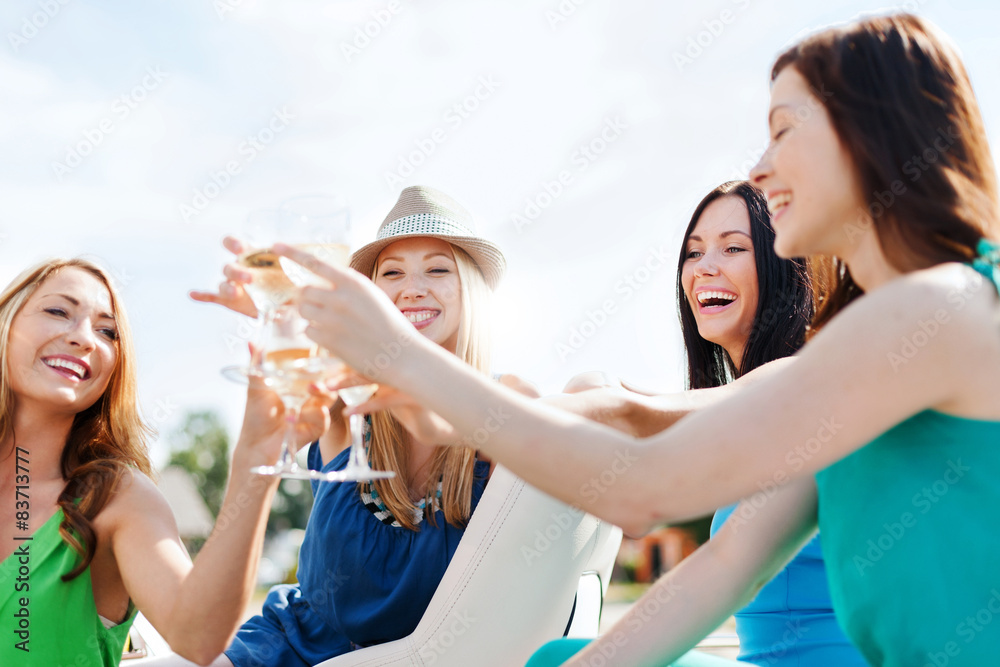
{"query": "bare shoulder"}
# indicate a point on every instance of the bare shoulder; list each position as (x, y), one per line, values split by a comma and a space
(136, 498)
(951, 301)
(939, 328)
(940, 295)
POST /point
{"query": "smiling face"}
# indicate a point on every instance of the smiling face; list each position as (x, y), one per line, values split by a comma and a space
(808, 176)
(719, 275)
(420, 276)
(62, 346)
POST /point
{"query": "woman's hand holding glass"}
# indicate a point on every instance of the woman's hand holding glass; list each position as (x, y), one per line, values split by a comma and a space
(312, 366)
(353, 318)
(265, 423)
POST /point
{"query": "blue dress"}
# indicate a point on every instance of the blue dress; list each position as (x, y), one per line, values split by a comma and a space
(791, 622)
(362, 581)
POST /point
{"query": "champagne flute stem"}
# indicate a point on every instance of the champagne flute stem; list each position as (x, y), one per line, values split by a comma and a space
(359, 454)
(287, 459)
(264, 319)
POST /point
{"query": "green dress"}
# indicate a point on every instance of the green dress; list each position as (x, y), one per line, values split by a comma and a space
(45, 622)
(911, 535)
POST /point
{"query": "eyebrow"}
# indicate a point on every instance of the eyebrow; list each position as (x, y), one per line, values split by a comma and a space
(76, 302)
(427, 256)
(723, 235)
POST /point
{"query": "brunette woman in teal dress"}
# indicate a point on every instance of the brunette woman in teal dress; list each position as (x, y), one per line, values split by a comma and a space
(885, 427)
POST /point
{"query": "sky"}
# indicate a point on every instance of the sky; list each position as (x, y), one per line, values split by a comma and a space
(581, 133)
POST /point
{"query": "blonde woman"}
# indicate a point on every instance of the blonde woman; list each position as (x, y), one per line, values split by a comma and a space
(86, 537)
(374, 553)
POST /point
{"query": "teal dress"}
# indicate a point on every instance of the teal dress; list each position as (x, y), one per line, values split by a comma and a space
(910, 540)
(911, 536)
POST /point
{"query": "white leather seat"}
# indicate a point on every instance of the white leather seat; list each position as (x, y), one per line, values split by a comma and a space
(511, 584)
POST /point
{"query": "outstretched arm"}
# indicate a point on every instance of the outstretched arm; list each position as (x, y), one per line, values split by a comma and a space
(843, 390)
(643, 415)
(690, 601)
(198, 608)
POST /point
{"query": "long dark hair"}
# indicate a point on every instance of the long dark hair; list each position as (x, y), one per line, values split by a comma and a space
(784, 303)
(902, 105)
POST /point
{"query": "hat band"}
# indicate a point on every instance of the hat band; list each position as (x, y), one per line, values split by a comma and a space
(423, 223)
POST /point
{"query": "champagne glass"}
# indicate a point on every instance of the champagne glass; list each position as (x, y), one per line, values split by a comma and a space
(319, 225)
(289, 367)
(357, 468)
(269, 287)
(289, 362)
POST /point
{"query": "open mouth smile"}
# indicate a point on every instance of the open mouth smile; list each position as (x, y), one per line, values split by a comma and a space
(68, 367)
(777, 203)
(713, 301)
(421, 319)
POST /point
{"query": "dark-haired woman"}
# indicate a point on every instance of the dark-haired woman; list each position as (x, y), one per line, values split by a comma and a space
(740, 307)
(885, 427)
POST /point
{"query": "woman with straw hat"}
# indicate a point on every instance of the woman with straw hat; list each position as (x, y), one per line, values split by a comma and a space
(374, 552)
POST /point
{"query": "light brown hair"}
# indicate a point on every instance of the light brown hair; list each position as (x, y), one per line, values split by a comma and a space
(106, 440)
(902, 105)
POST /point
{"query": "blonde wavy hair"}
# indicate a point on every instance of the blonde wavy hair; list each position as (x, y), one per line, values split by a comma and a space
(454, 466)
(106, 440)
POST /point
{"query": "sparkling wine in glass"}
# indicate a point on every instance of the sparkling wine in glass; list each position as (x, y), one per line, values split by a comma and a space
(319, 225)
(269, 287)
(357, 468)
(290, 377)
(289, 367)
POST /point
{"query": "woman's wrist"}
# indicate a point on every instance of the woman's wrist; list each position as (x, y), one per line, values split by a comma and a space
(247, 457)
(412, 364)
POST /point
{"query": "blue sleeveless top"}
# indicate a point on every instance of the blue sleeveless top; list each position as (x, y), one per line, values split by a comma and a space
(366, 579)
(791, 622)
(361, 580)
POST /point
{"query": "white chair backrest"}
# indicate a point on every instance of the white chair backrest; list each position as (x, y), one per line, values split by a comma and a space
(510, 585)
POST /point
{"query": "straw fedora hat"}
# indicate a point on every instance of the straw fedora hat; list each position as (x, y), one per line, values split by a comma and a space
(424, 211)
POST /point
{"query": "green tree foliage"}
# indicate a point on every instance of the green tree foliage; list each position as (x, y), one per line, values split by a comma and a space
(201, 447)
